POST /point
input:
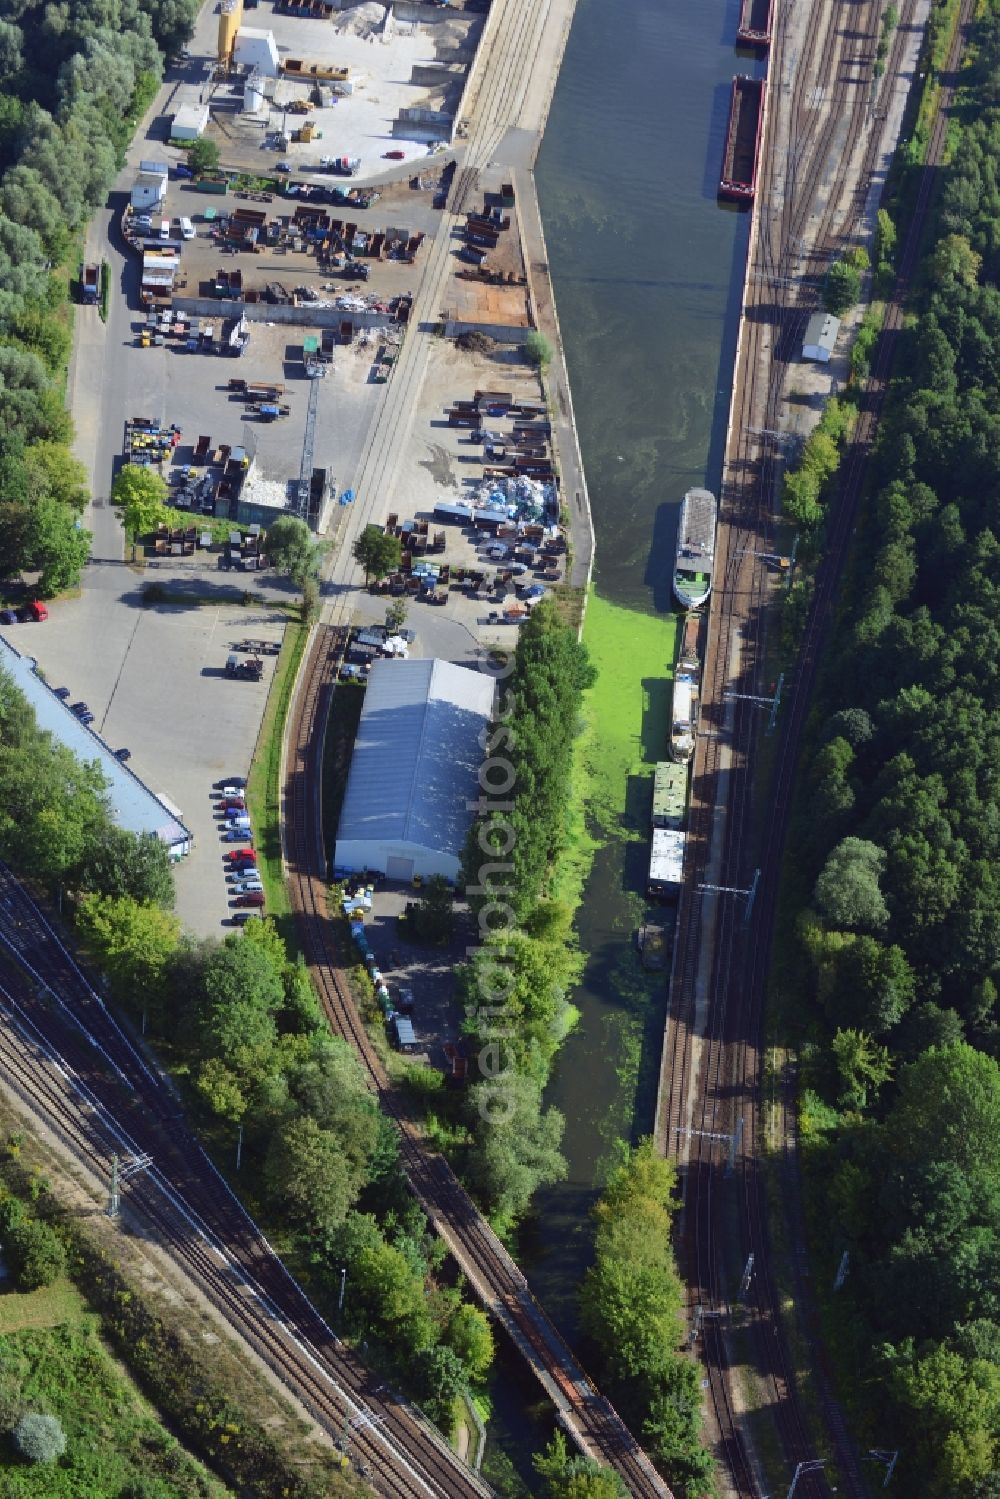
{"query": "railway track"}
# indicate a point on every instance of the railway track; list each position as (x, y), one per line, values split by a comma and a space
(589, 1419)
(722, 1071)
(67, 1059)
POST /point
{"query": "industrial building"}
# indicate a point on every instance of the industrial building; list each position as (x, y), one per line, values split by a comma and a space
(256, 50)
(134, 808)
(148, 191)
(415, 770)
(190, 122)
(820, 338)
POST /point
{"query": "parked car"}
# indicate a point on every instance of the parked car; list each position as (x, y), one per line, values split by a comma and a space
(78, 708)
(36, 611)
(238, 835)
(251, 883)
(8, 617)
(232, 788)
(252, 898)
(62, 693)
(239, 854)
(282, 166)
(122, 755)
(233, 804)
(238, 824)
(86, 718)
(240, 918)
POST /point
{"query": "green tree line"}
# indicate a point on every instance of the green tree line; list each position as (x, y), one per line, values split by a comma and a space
(896, 843)
(515, 987)
(74, 77)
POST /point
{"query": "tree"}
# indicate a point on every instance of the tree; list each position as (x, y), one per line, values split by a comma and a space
(470, 1336)
(377, 552)
(203, 157)
(433, 916)
(56, 546)
(516, 1146)
(37, 1254)
(440, 1379)
(241, 996)
(954, 260)
(580, 1477)
(395, 616)
(39, 1438)
(841, 288)
(54, 471)
(862, 1064)
(132, 942)
(142, 496)
(307, 1175)
(847, 891)
(293, 549)
(309, 612)
(948, 1109)
(121, 863)
(538, 350)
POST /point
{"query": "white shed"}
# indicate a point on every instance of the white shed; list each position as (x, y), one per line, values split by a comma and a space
(190, 122)
(256, 49)
(821, 336)
(148, 190)
(415, 769)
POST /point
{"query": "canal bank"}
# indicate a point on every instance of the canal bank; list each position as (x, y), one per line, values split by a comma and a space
(648, 271)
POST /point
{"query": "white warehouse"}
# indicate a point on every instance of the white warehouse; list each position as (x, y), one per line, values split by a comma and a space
(415, 769)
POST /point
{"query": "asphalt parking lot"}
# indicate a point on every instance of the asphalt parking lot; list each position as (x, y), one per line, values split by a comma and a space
(191, 391)
(157, 686)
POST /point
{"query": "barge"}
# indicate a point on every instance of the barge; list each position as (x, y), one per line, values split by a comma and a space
(692, 582)
(756, 20)
(741, 155)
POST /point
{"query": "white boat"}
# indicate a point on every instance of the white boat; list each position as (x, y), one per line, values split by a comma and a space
(695, 548)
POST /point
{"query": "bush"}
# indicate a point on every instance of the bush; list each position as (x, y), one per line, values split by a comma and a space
(39, 1439)
(538, 350)
(37, 1255)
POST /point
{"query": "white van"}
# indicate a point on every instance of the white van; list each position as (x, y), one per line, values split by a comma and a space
(164, 228)
(187, 229)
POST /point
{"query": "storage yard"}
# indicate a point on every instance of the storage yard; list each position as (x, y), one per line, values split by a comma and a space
(356, 82)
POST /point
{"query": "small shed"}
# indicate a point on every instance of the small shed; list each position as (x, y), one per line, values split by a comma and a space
(820, 337)
(148, 190)
(403, 1033)
(190, 122)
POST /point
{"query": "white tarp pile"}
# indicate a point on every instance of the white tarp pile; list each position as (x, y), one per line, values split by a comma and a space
(528, 500)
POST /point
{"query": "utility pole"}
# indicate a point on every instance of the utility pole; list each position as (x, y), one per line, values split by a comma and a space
(340, 1298)
(890, 1458)
(748, 895)
(812, 1465)
(239, 1145)
(841, 1275)
(119, 1174)
(747, 1273)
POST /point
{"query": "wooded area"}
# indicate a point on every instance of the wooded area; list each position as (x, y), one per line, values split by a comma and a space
(897, 836)
(74, 78)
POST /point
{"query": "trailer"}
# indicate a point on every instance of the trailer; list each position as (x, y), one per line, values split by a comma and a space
(90, 283)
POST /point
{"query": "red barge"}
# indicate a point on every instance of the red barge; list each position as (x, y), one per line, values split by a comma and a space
(756, 19)
(738, 182)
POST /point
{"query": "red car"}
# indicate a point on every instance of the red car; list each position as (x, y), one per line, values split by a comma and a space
(242, 856)
(394, 155)
(252, 898)
(233, 804)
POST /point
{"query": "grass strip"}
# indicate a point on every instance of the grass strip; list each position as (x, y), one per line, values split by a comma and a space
(264, 785)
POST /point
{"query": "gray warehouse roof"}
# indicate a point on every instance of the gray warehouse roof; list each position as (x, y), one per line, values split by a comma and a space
(417, 754)
(133, 806)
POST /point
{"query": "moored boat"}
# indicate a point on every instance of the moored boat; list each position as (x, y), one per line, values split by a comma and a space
(695, 548)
